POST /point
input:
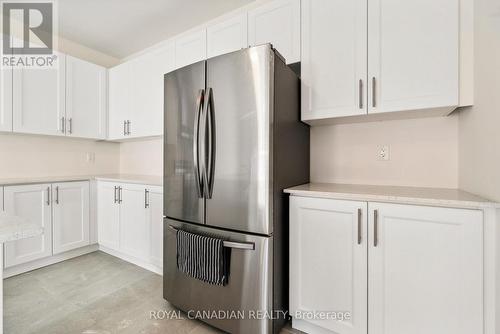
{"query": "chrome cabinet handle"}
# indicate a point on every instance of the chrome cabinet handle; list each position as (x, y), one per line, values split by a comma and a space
(70, 127)
(57, 195)
(48, 195)
(116, 188)
(360, 94)
(374, 92)
(120, 195)
(209, 158)
(63, 124)
(129, 132)
(196, 132)
(359, 226)
(375, 228)
(146, 198)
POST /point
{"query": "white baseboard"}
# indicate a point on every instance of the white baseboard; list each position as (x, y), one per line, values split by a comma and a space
(138, 262)
(25, 267)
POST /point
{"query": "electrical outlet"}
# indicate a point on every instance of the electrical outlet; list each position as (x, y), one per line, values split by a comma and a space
(90, 157)
(383, 153)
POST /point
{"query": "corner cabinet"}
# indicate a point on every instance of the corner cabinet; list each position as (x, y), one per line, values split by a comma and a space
(86, 99)
(391, 268)
(130, 222)
(375, 57)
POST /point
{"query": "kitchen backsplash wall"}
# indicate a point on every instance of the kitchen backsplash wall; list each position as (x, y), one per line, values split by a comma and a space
(24, 156)
(142, 157)
(422, 152)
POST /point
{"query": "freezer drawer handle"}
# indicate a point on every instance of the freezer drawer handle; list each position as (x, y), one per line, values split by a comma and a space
(230, 244)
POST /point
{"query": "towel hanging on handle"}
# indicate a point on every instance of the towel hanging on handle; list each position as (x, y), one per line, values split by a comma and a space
(203, 257)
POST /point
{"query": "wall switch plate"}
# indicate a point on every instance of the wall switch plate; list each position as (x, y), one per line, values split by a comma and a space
(383, 153)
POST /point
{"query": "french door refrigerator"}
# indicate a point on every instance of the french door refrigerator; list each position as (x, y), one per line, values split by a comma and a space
(233, 141)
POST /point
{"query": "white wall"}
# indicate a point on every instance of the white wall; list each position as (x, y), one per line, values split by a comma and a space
(423, 153)
(479, 167)
(38, 156)
(142, 157)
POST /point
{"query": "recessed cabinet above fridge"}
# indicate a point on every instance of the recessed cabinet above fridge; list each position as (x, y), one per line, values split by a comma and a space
(384, 59)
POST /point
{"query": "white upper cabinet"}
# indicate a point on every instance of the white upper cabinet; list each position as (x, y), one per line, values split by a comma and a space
(147, 72)
(120, 100)
(333, 66)
(191, 48)
(425, 270)
(413, 55)
(39, 98)
(71, 212)
(227, 36)
(86, 91)
(278, 23)
(376, 57)
(328, 263)
(5, 97)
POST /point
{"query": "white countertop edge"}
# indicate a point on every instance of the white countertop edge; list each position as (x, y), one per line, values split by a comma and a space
(394, 199)
(125, 178)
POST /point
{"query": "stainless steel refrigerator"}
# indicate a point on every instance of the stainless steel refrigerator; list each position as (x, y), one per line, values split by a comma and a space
(233, 141)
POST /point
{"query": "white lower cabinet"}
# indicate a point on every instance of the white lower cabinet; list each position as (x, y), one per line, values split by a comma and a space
(33, 203)
(62, 209)
(108, 215)
(425, 272)
(328, 262)
(130, 221)
(395, 268)
(71, 210)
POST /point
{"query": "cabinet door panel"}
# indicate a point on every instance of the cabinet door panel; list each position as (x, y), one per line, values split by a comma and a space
(31, 202)
(191, 48)
(328, 263)
(147, 91)
(227, 36)
(278, 23)
(156, 218)
(85, 99)
(120, 99)
(71, 215)
(5, 97)
(334, 50)
(413, 54)
(134, 225)
(39, 99)
(108, 215)
(425, 274)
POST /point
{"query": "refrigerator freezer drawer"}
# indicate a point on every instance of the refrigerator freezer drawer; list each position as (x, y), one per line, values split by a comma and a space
(247, 296)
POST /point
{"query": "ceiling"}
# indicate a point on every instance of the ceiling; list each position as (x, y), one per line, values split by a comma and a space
(120, 28)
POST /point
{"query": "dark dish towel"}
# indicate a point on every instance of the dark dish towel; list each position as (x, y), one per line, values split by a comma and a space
(202, 257)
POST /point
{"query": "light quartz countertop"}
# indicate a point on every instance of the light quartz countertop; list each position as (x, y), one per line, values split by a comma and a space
(392, 194)
(124, 178)
(15, 228)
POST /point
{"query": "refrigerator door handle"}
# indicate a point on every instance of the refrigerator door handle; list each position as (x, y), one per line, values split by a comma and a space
(209, 166)
(196, 153)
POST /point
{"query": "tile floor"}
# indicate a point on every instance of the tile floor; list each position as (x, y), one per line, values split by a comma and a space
(91, 294)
